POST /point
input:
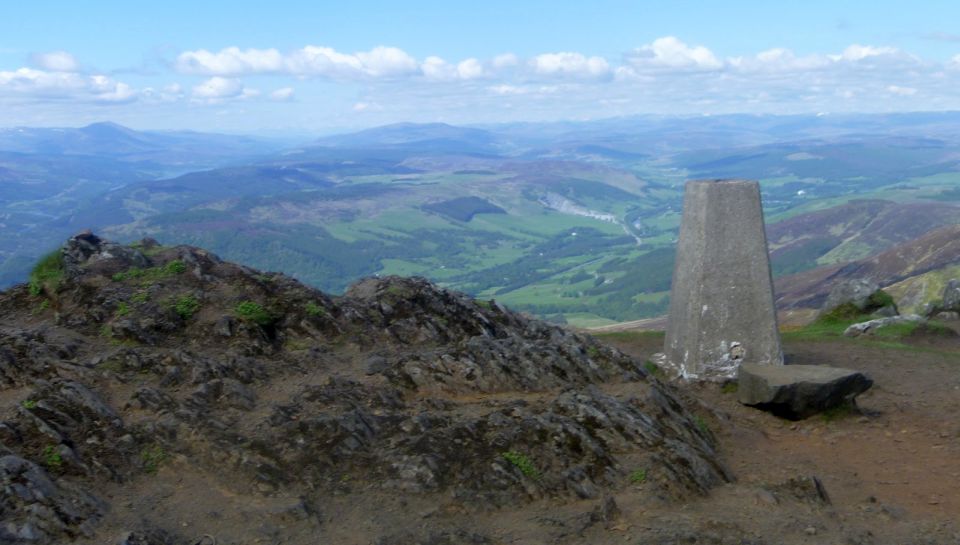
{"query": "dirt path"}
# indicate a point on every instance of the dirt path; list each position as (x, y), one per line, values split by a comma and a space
(892, 472)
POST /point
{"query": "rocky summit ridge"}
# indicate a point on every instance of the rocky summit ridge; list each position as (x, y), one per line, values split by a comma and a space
(153, 394)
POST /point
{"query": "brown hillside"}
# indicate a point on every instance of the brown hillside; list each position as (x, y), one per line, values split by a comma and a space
(935, 249)
(856, 229)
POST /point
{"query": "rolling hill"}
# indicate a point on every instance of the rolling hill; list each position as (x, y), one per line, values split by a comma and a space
(570, 221)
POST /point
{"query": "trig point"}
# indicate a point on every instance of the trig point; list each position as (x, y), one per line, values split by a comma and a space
(721, 303)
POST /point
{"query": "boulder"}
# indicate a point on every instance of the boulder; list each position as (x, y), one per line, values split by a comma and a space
(866, 328)
(951, 296)
(799, 391)
(87, 250)
(864, 296)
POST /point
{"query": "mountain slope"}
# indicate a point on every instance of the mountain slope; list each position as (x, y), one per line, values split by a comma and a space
(110, 140)
(851, 231)
(934, 250)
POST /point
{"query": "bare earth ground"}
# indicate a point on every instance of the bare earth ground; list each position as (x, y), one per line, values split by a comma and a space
(892, 474)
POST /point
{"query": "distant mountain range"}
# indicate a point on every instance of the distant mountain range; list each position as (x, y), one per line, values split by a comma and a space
(573, 221)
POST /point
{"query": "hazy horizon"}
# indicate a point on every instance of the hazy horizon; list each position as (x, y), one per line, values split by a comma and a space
(328, 131)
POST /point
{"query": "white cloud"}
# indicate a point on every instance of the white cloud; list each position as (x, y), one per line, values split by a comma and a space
(670, 52)
(107, 90)
(505, 89)
(386, 62)
(231, 61)
(35, 83)
(218, 88)
(166, 94)
(367, 107)
(523, 89)
(30, 80)
(901, 91)
(570, 64)
(282, 95)
(379, 62)
(857, 52)
(55, 61)
(778, 60)
(436, 68)
(470, 69)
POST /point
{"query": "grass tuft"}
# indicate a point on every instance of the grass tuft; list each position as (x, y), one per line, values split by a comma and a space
(639, 476)
(152, 457)
(701, 424)
(314, 309)
(47, 274)
(52, 458)
(186, 306)
(523, 463)
(248, 310)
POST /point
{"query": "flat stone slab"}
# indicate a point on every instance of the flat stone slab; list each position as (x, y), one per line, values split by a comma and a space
(799, 391)
(866, 328)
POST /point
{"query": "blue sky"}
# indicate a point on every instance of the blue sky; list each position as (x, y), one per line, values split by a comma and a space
(321, 67)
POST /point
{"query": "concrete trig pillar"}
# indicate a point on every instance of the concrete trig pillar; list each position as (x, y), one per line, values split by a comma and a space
(721, 304)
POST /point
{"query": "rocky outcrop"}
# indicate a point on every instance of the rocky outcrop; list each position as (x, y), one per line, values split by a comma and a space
(871, 326)
(799, 391)
(144, 356)
(951, 297)
(858, 296)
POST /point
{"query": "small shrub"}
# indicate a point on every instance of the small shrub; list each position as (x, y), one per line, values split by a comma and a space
(483, 304)
(523, 463)
(106, 330)
(396, 290)
(639, 476)
(894, 332)
(152, 457)
(47, 274)
(186, 306)
(652, 368)
(880, 299)
(701, 424)
(52, 458)
(123, 309)
(730, 387)
(937, 328)
(174, 267)
(314, 309)
(152, 274)
(593, 352)
(140, 297)
(248, 310)
(841, 314)
(129, 274)
(29, 404)
(41, 306)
